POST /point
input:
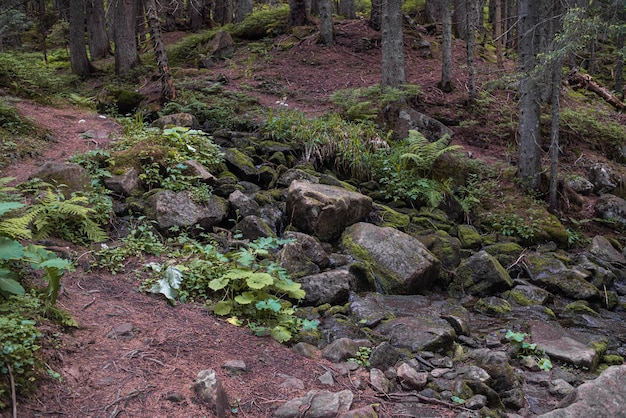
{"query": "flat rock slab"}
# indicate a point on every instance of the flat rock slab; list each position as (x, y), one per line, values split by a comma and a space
(562, 344)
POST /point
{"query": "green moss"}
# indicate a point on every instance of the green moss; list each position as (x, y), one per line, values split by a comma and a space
(613, 359)
(549, 312)
(469, 237)
(580, 307)
(521, 299)
(264, 197)
(493, 306)
(393, 218)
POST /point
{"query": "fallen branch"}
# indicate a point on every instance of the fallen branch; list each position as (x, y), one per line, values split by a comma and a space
(426, 399)
(577, 79)
(13, 394)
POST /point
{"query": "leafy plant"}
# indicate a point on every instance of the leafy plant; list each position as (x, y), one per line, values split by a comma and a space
(524, 349)
(365, 103)
(243, 284)
(511, 224)
(362, 357)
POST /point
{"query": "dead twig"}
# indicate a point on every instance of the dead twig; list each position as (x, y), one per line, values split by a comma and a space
(426, 399)
(13, 394)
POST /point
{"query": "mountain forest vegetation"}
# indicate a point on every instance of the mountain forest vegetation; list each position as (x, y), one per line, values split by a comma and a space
(52, 52)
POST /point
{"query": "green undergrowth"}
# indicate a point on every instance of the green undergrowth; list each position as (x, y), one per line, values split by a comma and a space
(246, 285)
(19, 138)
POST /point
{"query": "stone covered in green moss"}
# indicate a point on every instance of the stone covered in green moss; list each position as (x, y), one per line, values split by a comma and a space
(469, 237)
(493, 306)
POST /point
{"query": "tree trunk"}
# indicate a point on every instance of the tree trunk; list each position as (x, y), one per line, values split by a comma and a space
(346, 9)
(244, 8)
(471, 21)
(194, 10)
(530, 97)
(376, 14)
(497, 23)
(170, 10)
(96, 30)
(619, 66)
(123, 15)
(168, 92)
(223, 11)
(79, 61)
(326, 22)
(554, 136)
(297, 13)
(392, 43)
(446, 48)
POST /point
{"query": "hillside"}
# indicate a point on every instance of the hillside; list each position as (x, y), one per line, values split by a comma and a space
(135, 355)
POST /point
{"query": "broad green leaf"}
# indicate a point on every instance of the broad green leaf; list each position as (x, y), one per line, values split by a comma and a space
(309, 325)
(292, 288)
(169, 284)
(217, 284)
(10, 249)
(245, 298)
(58, 263)
(259, 280)
(270, 304)
(8, 285)
(223, 308)
(281, 334)
(237, 274)
(245, 258)
(9, 206)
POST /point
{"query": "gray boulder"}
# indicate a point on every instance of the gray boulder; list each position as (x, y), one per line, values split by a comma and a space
(482, 274)
(600, 177)
(317, 404)
(243, 205)
(210, 391)
(418, 333)
(170, 209)
(253, 227)
(325, 211)
(611, 207)
(73, 177)
(400, 263)
(332, 286)
(185, 120)
(562, 344)
(604, 250)
(550, 272)
(303, 256)
(603, 397)
(123, 184)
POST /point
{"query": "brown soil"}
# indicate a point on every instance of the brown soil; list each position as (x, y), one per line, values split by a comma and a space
(139, 374)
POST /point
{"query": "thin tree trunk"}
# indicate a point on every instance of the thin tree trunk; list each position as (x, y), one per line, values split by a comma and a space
(244, 8)
(470, 6)
(376, 14)
(297, 13)
(123, 14)
(326, 22)
(497, 22)
(619, 66)
(554, 136)
(392, 43)
(168, 92)
(346, 9)
(446, 47)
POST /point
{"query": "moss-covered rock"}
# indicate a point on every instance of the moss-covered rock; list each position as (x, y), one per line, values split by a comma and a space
(493, 306)
(392, 218)
(580, 307)
(469, 237)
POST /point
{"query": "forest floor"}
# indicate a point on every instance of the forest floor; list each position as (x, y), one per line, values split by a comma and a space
(133, 354)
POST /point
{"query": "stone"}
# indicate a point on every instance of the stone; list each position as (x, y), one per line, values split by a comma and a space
(304, 256)
(469, 237)
(562, 344)
(603, 397)
(289, 176)
(327, 379)
(195, 169)
(325, 211)
(332, 286)
(379, 381)
(72, 177)
(210, 391)
(411, 378)
(123, 184)
(604, 250)
(580, 185)
(307, 350)
(384, 356)
(169, 208)
(343, 349)
(318, 404)
(221, 46)
(235, 367)
(362, 412)
(611, 207)
(123, 331)
(400, 263)
(481, 274)
(418, 333)
(185, 120)
(600, 177)
(528, 295)
(493, 306)
(242, 205)
(253, 227)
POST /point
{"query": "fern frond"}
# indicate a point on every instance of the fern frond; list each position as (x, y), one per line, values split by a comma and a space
(422, 154)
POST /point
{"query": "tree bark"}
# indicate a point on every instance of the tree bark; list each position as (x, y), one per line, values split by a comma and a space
(97, 37)
(346, 9)
(244, 8)
(194, 11)
(554, 136)
(79, 61)
(585, 81)
(619, 66)
(392, 43)
(168, 92)
(124, 17)
(471, 21)
(530, 97)
(446, 47)
(297, 13)
(326, 22)
(223, 11)
(497, 23)
(376, 14)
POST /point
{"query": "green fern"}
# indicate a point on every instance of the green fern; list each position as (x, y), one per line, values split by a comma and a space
(421, 154)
